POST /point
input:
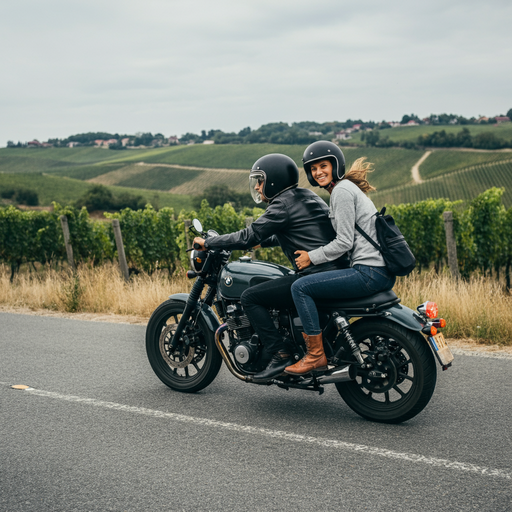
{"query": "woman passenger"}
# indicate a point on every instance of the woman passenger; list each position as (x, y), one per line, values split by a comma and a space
(324, 164)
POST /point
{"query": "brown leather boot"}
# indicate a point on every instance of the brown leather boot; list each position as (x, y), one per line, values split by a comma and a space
(313, 360)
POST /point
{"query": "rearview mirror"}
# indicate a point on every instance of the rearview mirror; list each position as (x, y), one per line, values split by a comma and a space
(197, 225)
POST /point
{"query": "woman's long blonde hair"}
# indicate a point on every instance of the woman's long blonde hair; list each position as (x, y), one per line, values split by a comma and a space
(357, 174)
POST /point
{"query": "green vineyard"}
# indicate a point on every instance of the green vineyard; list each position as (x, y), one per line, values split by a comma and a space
(464, 184)
(441, 162)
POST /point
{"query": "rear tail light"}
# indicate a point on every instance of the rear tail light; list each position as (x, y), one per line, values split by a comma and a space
(431, 309)
(440, 323)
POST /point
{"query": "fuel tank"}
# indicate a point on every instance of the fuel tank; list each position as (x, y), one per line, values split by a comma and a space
(236, 276)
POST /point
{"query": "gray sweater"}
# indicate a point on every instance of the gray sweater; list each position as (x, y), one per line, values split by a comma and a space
(350, 205)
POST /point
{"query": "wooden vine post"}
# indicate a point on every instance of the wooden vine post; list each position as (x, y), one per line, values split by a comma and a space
(120, 249)
(451, 247)
(67, 241)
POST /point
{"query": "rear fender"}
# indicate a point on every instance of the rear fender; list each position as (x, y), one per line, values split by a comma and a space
(206, 311)
(405, 317)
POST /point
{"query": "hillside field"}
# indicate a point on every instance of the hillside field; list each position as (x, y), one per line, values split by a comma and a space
(179, 172)
(463, 184)
(65, 190)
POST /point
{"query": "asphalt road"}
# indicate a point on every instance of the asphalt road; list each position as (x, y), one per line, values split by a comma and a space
(98, 431)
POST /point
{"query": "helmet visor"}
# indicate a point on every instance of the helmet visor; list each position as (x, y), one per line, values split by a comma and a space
(256, 183)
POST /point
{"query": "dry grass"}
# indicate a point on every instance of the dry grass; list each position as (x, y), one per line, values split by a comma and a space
(479, 309)
(92, 290)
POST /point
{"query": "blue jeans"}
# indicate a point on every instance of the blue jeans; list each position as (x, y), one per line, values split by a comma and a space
(348, 283)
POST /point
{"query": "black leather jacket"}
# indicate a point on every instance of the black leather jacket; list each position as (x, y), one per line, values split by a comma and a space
(296, 219)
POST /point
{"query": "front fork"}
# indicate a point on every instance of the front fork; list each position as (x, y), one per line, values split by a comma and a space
(193, 299)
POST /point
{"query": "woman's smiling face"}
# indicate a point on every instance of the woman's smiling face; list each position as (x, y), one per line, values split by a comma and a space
(322, 172)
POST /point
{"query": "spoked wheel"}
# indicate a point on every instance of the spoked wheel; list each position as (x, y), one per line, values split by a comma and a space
(196, 361)
(405, 375)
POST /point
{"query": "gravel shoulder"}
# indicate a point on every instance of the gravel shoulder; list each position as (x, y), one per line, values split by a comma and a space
(457, 346)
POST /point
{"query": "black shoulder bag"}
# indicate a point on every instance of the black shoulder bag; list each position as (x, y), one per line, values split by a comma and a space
(397, 255)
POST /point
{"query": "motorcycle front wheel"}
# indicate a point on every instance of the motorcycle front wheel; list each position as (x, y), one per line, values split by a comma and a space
(196, 361)
(410, 368)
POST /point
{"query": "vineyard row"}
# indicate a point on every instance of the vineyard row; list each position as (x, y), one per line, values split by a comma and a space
(156, 239)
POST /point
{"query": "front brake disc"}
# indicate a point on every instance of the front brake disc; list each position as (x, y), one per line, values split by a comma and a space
(177, 359)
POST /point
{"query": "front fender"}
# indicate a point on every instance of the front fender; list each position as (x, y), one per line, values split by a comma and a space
(405, 317)
(206, 311)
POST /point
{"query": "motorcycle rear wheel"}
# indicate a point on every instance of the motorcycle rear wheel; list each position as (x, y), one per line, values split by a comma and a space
(189, 368)
(413, 374)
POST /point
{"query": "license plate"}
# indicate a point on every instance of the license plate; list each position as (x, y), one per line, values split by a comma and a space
(441, 350)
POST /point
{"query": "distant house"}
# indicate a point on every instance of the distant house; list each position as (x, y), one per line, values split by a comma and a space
(426, 120)
(98, 143)
(73, 144)
(482, 119)
(393, 124)
(342, 135)
(502, 119)
(412, 122)
(173, 139)
(47, 145)
(125, 141)
(315, 134)
(34, 144)
(109, 141)
(356, 126)
(208, 142)
(454, 121)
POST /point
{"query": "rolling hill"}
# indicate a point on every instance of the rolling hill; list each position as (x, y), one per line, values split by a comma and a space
(179, 172)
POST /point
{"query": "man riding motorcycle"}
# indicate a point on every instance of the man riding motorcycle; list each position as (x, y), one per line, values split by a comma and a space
(296, 218)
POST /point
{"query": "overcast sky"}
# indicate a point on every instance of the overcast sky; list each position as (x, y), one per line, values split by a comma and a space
(171, 66)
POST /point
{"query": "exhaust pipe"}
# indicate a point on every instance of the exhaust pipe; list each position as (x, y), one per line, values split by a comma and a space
(225, 355)
(345, 374)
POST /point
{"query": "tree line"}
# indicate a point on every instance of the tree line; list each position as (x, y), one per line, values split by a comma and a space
(440, 139)
(304, 132)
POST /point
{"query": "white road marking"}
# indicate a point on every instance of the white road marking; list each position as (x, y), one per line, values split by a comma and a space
(279, 434)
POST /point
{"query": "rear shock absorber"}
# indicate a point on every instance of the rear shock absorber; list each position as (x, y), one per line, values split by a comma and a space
(344, 329)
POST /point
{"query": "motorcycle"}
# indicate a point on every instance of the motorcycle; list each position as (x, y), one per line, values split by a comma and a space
(381, 355)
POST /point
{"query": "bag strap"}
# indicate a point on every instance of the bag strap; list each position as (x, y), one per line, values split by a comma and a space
(367, 236)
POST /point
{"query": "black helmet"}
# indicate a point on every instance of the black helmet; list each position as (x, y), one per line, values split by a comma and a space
(278, 172)
(322, 150)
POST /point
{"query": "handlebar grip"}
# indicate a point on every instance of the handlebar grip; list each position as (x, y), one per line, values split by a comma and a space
(197, 247)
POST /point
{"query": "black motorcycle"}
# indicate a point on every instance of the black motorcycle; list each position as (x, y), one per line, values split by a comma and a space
(380, 353)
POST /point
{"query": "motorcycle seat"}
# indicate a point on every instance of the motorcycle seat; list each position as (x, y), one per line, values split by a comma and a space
(370, 303)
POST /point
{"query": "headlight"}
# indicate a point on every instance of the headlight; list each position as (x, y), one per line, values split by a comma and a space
(197, 259)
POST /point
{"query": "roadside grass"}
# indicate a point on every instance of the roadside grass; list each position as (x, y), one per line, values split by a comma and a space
(479, 309)
(66, 190)
(92, 290)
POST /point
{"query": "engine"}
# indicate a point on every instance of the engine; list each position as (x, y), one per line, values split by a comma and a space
(244, 343)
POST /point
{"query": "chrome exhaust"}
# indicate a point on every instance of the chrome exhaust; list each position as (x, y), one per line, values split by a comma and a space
(225, 355)
(345, 374)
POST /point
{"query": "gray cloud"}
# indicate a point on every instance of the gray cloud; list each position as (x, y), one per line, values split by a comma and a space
(171, 66)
